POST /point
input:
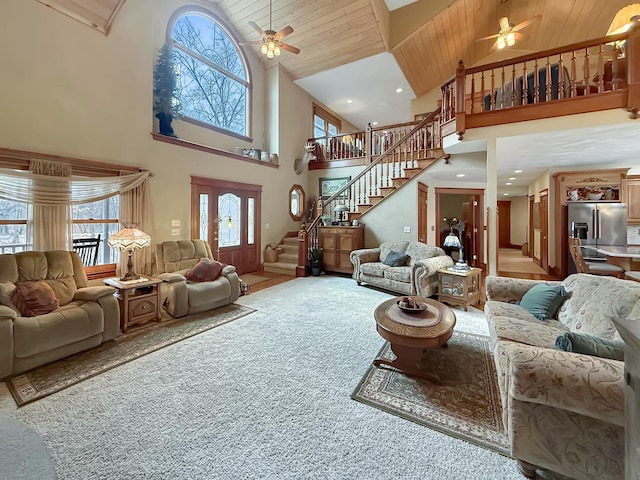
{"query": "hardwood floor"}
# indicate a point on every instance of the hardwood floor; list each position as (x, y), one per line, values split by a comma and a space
(274, 279)
(511, 263)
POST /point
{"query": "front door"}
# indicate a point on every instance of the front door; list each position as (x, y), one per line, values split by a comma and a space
(226, 214)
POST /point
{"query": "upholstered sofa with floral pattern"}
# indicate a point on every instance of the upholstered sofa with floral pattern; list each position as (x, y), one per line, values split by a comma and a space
(417, 276)
(563, 411)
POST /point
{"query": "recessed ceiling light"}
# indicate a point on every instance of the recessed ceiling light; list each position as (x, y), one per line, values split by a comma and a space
(517, 171)
(374, 123)
(349, 101)
(512, 178)
(508, 183)
(505, 194)
(460, 175)
(398, 90)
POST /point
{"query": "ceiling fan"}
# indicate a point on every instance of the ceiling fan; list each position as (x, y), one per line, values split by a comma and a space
(509, 32)
(271, 40)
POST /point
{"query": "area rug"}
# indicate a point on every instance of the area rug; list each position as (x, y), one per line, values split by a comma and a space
(253, 279)
(53, 377)
(466, 405)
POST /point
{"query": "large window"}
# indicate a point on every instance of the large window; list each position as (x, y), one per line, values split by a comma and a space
(89, 220)
(213, 79)
(324, 124)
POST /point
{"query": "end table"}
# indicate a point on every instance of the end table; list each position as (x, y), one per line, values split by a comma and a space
(139, 300)
(459, 287)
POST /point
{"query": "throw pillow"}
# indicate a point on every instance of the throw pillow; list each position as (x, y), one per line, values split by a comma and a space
(591, 345)
(395, 259)
(206, 270)
(34, 298)
(543, 300)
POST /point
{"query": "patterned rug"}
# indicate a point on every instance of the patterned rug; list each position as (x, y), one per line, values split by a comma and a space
(53, 377)
(466, 405)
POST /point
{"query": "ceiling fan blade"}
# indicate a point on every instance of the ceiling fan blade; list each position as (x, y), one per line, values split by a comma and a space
(526, 23)
(488, 38)
(284, 32)
(258, 29)
(290, 48)
(504, 23)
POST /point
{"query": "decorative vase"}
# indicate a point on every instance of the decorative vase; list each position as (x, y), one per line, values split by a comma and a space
(165, 120)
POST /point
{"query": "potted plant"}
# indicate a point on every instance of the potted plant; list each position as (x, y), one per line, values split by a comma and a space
(326, 219)
(315, 261)
(166, 105)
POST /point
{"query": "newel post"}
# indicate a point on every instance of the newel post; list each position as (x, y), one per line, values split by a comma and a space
(460, 100)
(632, 51)
(303, 248)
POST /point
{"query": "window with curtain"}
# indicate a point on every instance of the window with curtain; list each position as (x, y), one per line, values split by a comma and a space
(213, 77)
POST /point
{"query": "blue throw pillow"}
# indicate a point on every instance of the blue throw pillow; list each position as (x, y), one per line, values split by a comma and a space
(591, 345)
(395, 259)
(543, 300)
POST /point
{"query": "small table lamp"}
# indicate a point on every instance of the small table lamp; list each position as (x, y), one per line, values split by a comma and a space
(129, 239)
(452, 240)
(339, 211)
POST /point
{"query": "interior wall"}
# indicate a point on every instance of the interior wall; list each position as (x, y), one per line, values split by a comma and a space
(75, 92)
(519, 220)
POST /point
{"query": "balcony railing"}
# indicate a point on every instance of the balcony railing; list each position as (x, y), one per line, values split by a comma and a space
(589, 76)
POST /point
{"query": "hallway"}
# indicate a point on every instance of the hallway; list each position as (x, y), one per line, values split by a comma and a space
(511, 263)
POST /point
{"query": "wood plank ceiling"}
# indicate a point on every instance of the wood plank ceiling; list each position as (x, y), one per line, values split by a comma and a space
(331, 33)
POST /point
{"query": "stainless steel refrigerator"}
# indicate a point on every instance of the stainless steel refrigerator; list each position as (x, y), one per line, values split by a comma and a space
(597, 223)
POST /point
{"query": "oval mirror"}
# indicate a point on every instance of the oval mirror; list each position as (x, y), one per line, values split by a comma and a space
(296, 202)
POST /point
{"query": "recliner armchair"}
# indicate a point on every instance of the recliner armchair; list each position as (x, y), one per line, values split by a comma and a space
(181, 297)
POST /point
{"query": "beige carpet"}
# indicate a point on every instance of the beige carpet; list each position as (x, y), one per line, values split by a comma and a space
(53, 377)
(466, 405)
(252, 279)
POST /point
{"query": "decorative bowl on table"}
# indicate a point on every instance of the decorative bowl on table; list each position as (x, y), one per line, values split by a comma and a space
(411, 305)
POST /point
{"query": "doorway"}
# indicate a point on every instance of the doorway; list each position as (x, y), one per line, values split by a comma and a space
(422, 212)
(227, 215)
(466, 205)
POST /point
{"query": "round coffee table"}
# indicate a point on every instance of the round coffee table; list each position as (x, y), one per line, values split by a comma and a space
(411, 333)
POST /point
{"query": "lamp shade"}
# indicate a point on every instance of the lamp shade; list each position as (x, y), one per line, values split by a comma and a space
(341, 208)
(129, 238)
(452, 240)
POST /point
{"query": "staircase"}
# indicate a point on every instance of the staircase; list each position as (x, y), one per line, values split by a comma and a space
(287, 260)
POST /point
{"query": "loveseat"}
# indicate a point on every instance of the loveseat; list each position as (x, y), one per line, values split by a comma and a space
(562, 410)
(417, 274)
(70, 316)
(181, 296)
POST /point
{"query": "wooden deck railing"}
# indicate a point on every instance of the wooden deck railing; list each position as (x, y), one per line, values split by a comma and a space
(589, 76)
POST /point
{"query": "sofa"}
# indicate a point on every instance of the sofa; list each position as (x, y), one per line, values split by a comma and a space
(48, 311)
(562, 410)
(181, 296)
(418, 274)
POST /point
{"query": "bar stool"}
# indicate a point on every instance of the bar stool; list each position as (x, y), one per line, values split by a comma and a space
(594, 268)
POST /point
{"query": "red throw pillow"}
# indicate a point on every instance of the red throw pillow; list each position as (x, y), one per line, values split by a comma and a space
(205, 270)
(34, 298)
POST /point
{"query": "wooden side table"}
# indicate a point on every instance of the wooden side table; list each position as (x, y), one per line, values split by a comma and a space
(139, 301)
(459, 287)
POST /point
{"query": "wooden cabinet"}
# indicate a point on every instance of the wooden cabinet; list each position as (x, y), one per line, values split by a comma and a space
(337, 243)
(459, 287)
(139, 301)
(633, 199)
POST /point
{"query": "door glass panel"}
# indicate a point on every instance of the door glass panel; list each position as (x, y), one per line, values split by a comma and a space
(204, 216)
(229, 226)
(251, 233)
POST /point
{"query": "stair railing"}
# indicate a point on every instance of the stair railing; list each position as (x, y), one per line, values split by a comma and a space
(405, 154)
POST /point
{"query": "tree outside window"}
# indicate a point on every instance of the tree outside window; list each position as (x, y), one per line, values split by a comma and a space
(212, 74)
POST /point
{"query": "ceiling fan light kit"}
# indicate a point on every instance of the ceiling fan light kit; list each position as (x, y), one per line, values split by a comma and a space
(271, 44)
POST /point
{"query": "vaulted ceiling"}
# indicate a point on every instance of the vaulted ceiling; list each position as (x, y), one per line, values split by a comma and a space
(427, 38)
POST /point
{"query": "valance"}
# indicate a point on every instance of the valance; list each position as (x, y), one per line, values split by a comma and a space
(26, 187)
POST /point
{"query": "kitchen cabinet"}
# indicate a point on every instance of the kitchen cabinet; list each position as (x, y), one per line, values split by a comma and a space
(633, 199)
(337, 243)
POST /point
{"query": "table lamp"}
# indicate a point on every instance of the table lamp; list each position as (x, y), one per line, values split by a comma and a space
(129, 238)
(452, 240)
(339, 211)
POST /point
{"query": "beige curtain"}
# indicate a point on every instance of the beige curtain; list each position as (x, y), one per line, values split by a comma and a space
(51, 224)
(135, 208)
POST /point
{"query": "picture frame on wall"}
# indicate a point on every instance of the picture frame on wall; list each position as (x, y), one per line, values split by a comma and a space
(329, 186)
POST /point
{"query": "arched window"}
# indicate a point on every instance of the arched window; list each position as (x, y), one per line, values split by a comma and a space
(213, 78)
